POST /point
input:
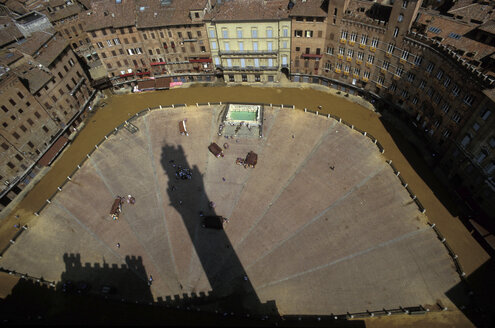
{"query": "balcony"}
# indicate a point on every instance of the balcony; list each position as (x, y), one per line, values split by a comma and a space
(359, 62)
(346, 73)
(368, 64)
(396, 77)
(372, 49)
(365, 79)
(379, 85)
(362, 45)
(356, 76)
(340, 56)
(343, 41)
(337, 70)
(403, 61)
(388, 54)
(247, 52)
(351, 43)
(383, 70)
(189, 40)
(349, 59)
(157, 63)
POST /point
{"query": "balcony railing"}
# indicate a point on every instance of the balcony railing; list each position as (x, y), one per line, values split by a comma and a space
(250, 68)
(317, 56)
(247, 52)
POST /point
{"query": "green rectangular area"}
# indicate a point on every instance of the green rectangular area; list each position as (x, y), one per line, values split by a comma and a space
(243, 116)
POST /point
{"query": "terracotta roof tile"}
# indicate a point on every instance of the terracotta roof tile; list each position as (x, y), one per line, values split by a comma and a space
(312, 8)
(35, 77)
(64, 13)
(53, 49)
(249, 10)
(34, 43)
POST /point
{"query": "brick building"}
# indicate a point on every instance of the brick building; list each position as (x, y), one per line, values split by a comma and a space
(150, 37)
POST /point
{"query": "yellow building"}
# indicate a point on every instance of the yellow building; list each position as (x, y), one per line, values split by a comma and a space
(250, 40)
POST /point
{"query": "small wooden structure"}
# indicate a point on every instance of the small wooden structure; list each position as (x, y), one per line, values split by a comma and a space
(116, 208)
(213, 222)
(251, 159)
(215, 149)
(182, 128)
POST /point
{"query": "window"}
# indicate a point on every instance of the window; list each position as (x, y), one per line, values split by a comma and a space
(16, 135)
(226, 46)
(240, 44)
(386, 64)
(429, 92)
(320, 34)
(418, 60)
(211, 33)
(415, 100)
(481, 156)
(5, 109)
(366, 74)
(357, 71)
(476, 126)
(30, 121)
(285, 32)
(404, 94)
(114, 53)
(255, 45)
(350, 53)
(298, 33)
(445, 108)
(20, 95)
(374, 42)
(270, 62)
(353, 36)
(400, 18)
(239, 33)
(456, 117)
(116, 41)
(5, 146)
(10, 165)
(390, 48)
(343, 35)
(341, 51)
(466, 140)
(492, 142)
(243, 62)
(100, 45)
(371, 59)
(45, 129)
(229, 62)
(109, 43)
(405, 54)
(490, 168)
(254, 33)
(330, 51)
(364, 39)
(269, 32)
(393, 87)
(381, 79)
(256, 62)
(430, 67)
(468, 100)
(360, 55)
(456, 90)
(244, 77)
(446, 82)
(269, 45)
(150, 51)
(18, 157)
(404, 4)
(396, 32)
(213, 45)
(284, 44)
(439, 74)
(446, 133)
(307, 51)
(422, 84)
(308, 34)
(71, 62)
(410, 77)
(217, 61)
(486, 114)
(399, 71)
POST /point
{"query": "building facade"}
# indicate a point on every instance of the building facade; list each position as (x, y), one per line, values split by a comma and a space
(250, 40)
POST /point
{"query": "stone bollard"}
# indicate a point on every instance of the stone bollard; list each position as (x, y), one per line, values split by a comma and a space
(282, 106)
(352, 126)
(305, 109)
(59, 189)
(48, 201)
(78, 166)
(405, 185)
(150, 109)
(68, 178)
(36, 213)
(316, 113)
(328, 115)
(96, 146)
(116, 129)
(398, 173)
(443, 240)
(87, 155)
(173, 106)
(340, 120)
(208, 103)
(220, 103)
(197, 105)
(364, 133)
(12, 242)
(106, 138)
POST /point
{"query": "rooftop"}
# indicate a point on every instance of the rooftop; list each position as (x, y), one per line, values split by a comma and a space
(150, 13)
(249, 10)
(313, 8)
(52, 51)
(33, 76)
(10, 33)
(64, 13)
(34, 43)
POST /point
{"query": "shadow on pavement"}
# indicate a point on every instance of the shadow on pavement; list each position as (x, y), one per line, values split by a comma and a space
(480, 286)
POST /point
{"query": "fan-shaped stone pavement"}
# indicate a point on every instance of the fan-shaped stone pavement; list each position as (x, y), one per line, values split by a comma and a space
(321, 225)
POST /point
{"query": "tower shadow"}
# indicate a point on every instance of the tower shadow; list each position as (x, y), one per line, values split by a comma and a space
(212, 246)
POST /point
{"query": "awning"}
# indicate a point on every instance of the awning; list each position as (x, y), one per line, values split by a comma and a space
(162, 83)
(311, 56)
(146, 84)
(158, 63)
(200, 60)
(126, 75)
(143, 73)
(52, 153)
